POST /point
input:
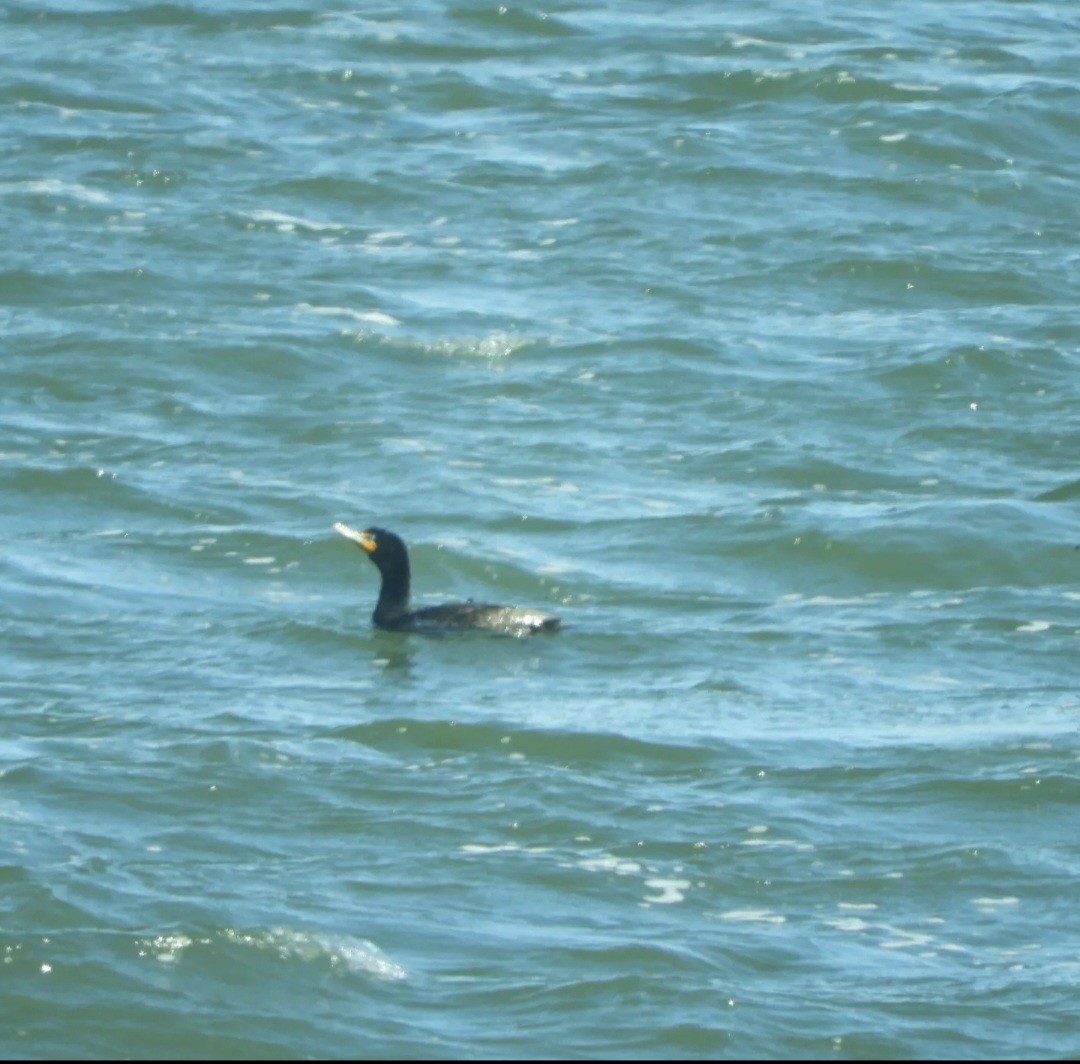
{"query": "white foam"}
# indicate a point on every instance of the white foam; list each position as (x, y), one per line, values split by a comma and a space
(384, 236)
(165, 948)
(287, 223)
(753, 916)
(353, 955)
(905, 940)
(910, 86)
(609, 863)
(53, 187)
(372, 317)
(670, 891)
(480, 847)
(848, 923)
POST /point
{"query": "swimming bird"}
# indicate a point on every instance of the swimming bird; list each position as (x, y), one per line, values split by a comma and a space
(392, 611)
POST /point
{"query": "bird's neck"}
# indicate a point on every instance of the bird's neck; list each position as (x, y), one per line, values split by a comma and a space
(393, 596)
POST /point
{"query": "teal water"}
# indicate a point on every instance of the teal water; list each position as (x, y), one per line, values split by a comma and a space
(745, 338)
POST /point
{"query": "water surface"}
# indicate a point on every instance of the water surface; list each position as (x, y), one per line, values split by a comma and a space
(745, 340)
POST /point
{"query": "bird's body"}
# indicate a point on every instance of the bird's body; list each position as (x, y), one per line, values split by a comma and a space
(392, 610)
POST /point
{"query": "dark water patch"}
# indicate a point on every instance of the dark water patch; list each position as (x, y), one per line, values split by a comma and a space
(913, 553)
(571, 748)
(73, 97)
(1063, 493)
(965, 284)
(162, 15)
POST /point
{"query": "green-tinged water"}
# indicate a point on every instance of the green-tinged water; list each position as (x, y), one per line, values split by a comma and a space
(743, 337)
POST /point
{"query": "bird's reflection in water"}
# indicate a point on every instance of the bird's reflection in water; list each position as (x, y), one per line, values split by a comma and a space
(393, 653)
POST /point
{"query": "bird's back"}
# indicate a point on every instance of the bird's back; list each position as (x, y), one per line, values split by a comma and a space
(482, 616)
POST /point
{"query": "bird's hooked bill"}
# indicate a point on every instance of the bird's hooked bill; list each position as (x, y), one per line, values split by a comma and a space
(363, 538)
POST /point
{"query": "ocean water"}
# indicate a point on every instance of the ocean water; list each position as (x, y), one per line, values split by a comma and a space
(743, 336)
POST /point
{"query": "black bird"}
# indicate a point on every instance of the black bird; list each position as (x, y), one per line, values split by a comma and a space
(392, 611)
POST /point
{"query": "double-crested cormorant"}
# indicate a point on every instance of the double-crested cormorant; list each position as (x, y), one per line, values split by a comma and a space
(392, 611)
